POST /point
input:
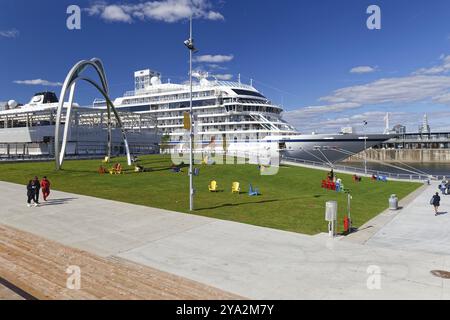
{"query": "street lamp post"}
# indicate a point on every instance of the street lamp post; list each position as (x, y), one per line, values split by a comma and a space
(190, 45)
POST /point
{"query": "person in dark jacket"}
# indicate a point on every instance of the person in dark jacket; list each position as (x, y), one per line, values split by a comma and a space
(31, 193)
(37, 184)
(436, 202)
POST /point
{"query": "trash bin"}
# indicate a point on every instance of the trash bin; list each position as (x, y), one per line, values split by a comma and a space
(393, 202)
(331, 211)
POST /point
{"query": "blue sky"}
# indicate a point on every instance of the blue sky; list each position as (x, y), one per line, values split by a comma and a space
(300, 53)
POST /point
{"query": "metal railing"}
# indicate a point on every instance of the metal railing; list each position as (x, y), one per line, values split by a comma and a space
(361, 171)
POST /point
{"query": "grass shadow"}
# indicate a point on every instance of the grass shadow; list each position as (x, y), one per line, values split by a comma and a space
(357, 229)
(236, 204)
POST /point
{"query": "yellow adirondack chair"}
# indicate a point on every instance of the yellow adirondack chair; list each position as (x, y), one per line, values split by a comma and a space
(236, 188)
(213, 186)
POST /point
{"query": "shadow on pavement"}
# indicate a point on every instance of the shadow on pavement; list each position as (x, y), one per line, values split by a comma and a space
(56, 202)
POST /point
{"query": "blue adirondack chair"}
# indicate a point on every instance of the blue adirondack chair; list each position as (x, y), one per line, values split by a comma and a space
(196, 172)
(253, 192)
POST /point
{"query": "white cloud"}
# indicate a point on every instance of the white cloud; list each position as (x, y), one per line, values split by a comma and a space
(428, 88)
(372, 118)
(39, 82)
(212, 15)
(363, 69)
(224, 77)
(444, 67)
(442, 99)
(164, 10)
(115, 14)
(312, 111)
(310, 118)
(214, 58)
(214, 66)
(439, 120)
(9, 33)
(392, 90)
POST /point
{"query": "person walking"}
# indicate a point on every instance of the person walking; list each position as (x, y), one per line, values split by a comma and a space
(436, 202)
(31, 193)
(45, 186)
(37, 184)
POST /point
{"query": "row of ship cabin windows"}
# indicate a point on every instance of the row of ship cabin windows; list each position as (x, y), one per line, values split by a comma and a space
(169, 97)
(238, 138)
(196, 104)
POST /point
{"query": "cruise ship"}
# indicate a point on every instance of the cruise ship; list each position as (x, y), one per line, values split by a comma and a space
(230, 117)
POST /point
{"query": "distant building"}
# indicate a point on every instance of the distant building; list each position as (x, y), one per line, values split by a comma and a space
(399, 129)
(424, 138)
(425, 127)
(347, 130)
(386, 120)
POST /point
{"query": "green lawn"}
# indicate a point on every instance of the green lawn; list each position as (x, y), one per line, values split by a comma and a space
(292, 200)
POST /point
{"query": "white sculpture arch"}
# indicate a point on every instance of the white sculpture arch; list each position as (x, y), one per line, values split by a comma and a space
(69, 84)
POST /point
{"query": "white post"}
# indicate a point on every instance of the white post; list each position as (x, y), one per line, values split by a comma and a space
(365, 154)
(331, 217)
(365, 147)
(349, 199)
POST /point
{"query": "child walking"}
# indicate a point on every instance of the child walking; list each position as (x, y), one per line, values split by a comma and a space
(45, 186)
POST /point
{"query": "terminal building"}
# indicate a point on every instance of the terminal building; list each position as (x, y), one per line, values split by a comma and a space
(28, 131)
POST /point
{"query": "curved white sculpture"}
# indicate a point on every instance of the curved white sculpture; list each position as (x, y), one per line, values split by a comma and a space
(70, 84)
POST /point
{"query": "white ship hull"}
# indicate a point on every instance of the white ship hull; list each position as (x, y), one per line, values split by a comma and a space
(328, 148)
(317, 148)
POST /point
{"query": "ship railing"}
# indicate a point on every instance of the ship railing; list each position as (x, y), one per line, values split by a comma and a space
(362, 171)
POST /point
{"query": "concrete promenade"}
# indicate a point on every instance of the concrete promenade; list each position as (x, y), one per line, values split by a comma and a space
(249, 261)
(416, 228)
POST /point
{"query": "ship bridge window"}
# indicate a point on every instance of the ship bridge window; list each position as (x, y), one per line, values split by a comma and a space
(248, 93)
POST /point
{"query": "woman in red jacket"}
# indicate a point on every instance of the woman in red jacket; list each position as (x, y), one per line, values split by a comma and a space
(45, 186)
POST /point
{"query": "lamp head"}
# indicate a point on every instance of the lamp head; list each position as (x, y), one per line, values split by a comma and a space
(190, 45)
